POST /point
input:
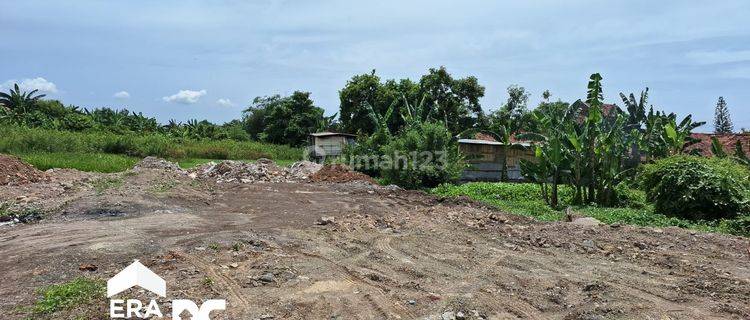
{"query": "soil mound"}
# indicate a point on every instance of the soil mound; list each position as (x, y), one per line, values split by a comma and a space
(339, 173)
(14, 171)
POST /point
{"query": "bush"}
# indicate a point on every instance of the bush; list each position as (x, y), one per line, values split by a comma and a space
(696, 187)
(423, 156)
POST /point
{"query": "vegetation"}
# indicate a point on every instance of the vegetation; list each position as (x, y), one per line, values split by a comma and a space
(585, 145)
(453, 101)
(24, 140)
(80, 291)
(698, 188)
(525, 199)
(425, 155)
(285, 120)
(722, 119)
(95, 162)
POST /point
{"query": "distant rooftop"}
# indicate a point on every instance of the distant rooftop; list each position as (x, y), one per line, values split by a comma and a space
(492, 143)
(328, 133)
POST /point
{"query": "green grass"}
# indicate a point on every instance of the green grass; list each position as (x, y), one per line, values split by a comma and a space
(109, 152)
(525, 199)
(22, 140)
(96, 162)
(106, 183)
(79, 291)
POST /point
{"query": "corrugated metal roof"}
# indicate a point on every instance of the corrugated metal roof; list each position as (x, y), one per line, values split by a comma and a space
(326, 133)
(493, 143)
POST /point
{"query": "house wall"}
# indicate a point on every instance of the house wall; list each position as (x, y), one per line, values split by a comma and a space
(332, 145)
(486, 162)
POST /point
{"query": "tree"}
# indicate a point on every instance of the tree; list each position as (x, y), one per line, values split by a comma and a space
(290, 120)
(365, 89)
(722, 119)
(361, 89)
(17, 102)
(454, 101)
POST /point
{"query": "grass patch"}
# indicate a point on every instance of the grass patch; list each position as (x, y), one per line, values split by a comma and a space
(22, 140)
(92, 162)
(78, 292)
(107, 183)
(525, 199)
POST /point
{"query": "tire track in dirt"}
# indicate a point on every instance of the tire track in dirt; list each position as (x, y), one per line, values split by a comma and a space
(226, 282)
(352, 276)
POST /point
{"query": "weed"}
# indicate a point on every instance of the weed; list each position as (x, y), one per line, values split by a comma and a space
(208, 281)
(524, 199)
(67, 295)
(164, 187)
(106, 183)
(237, 246)
(214, 246)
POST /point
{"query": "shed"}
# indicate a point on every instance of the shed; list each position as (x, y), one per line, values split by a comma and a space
(485, 159)
(329, 144)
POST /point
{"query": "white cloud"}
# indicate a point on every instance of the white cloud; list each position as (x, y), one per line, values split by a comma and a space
(121, 95)
(37, 83)
(185, 96)
(225, 102)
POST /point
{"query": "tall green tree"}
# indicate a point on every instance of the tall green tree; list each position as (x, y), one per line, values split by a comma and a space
(368, 89)
(453, 101)
(290, 120)
(722, 119)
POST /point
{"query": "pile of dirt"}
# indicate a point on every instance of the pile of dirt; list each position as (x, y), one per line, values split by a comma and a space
(156, 164)
(339, 173)
(13, 171)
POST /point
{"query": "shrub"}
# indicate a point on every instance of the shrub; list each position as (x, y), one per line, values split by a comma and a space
(696, 187)
(423, 156)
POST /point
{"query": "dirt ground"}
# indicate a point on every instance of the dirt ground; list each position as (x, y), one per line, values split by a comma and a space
(387, 254)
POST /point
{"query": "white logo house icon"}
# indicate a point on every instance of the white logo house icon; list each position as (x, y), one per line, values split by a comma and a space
(136, 274)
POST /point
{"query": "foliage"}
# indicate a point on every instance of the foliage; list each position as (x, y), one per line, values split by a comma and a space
(524, 199)
(284, 120)
(697, 188)
(581, 145)
(96, 162)
(22, 140)
(453, 101)
(422, 156)
(722, 119)
(16, 103)
(79, 291)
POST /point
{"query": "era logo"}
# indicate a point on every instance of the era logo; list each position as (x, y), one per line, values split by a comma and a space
(202, 313)
(136, 274)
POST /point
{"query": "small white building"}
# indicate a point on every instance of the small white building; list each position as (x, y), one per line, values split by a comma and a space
(329, 144)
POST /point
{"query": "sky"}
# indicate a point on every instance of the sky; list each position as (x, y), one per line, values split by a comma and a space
(209, 59)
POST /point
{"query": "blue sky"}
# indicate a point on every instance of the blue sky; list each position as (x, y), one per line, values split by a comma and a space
(209, 59)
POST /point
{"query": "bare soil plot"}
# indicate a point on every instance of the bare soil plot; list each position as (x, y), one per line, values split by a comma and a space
(387, 254)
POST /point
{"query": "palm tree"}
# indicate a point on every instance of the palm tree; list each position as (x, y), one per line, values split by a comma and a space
(17, 101)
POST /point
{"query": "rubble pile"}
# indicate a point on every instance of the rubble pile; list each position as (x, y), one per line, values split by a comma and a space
(339, 173)
(157, 164)
(302, 170)
(13, 171)
(263, 170)
(238, 171)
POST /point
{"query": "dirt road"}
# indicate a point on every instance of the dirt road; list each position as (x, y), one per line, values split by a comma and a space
(389, 254)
